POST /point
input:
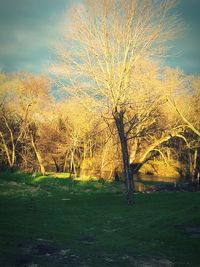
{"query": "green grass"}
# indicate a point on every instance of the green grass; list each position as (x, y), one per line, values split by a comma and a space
(90, 224)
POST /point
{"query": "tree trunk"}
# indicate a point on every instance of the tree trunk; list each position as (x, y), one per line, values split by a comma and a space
(193, 156)
(38, 156)
(65, 161)
(72, 164)
(56, 165)
(119, 121)
(10, 158)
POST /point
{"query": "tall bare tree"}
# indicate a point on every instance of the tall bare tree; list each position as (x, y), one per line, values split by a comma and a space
(103, 43)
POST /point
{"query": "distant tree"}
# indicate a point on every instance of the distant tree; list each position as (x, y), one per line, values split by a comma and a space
(22, 96)
(76, 124)
(36, 93)
(186, 106)
(13, 118)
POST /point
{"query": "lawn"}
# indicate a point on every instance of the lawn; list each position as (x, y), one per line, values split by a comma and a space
(49, 221)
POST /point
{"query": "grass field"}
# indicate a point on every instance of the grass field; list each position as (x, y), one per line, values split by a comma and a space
(49, 221)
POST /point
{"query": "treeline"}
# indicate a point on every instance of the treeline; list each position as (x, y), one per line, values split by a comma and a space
(40, 132)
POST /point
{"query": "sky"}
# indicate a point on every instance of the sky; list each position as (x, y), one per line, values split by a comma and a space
(30, 28)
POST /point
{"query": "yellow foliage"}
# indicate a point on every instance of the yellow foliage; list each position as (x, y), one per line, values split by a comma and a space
(160, 168)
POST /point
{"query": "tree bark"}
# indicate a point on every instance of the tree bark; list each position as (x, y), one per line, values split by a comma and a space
(10, 158)
(39, 158)
(56, 165)
(193, 168)
(72, 164)
(65, 161)
(119, 121)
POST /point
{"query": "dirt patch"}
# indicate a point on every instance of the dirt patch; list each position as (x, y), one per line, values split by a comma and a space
(41, 252)
(136, 261)
(87, 239)
(191, 230)
(154, 263)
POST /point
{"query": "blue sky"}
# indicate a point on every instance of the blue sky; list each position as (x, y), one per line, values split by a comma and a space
(30, 28)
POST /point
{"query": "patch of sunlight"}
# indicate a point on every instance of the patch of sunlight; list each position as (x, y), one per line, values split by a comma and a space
(98, 186)
(92, 179)
(40, 178)
(86, 178)
(52, 175)
(60, 175)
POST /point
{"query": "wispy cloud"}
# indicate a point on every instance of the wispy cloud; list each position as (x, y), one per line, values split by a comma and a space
(29, 30)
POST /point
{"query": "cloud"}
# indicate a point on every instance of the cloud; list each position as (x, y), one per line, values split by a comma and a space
(28, 30)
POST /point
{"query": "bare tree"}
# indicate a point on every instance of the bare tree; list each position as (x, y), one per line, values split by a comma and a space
(22, 97)
(103, 44)
(187, 109)
(13, 117)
